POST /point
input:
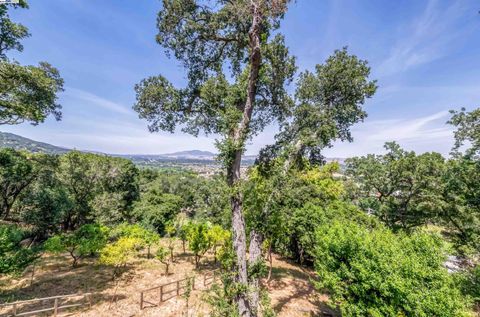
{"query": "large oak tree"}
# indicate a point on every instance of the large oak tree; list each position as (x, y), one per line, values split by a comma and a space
(238, 68)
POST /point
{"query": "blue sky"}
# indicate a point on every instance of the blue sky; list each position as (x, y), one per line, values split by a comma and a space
(424, 54)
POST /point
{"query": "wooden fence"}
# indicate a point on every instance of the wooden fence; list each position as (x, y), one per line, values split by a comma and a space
(175, 288)
(21, 308)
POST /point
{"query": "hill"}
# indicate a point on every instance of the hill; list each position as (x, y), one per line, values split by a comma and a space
(18, 142)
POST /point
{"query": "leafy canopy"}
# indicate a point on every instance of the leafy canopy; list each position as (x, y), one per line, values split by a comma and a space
(374, 272)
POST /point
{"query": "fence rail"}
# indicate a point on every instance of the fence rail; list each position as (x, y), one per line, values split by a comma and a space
(16, 307)
(180, 287)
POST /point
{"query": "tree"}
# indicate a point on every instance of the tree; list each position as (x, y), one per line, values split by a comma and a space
(18, 170)
(170, 231)
(217, 237)
(402, 189)
(85, 241)
(27, 93)
(198, 240)
(14, 257)
(156, 209)
(146, 237)
(163, 256)
(462, 194)
(87, 178)
(45, 203)
(120, 253)
(182, 225)
(467, 130)
(373, 272)
(238, 36)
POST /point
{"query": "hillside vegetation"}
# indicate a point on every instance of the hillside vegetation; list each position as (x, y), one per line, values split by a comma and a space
(394, 234)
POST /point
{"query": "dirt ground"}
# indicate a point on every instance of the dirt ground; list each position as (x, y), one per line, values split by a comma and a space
(290, 289)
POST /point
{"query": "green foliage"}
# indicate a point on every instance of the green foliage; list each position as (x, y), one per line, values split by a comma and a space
(10, 32)
(402, 189)
(18, 170)
(287, 207)
(462, 193)
(14, 257)
(155, 209)
(85, 241)
(378, 273)
(469, 281)
(467, 131)
(163, 256)
(461, 210)
(145, 237)
(91, 179)
(198, 240)
(27, 93)
(120, 253)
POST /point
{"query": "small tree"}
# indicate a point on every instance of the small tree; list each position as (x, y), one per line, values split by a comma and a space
(120, 253)
(170, 230)
(182, 233)
(198, 240)
(217, 237)
(162, 256)
(86, 240)
(145, 236)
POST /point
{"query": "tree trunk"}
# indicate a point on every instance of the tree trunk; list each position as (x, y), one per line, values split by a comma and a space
(270, 261)
(255, 254)
(238, 137)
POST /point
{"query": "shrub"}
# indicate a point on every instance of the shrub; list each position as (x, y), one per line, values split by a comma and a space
(145, 237)
(377, 273)
(120, 253)
(86, 240)
(14, 258)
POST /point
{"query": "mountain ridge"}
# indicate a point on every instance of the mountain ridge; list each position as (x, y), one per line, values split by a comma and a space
(11, 140)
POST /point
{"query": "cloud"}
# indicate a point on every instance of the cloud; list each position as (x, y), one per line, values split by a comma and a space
(426, 39)
(97, 100)
(428, 133)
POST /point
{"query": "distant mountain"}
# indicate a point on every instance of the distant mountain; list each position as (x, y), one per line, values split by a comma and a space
(196, 157)
(192, 152)
(17, 142)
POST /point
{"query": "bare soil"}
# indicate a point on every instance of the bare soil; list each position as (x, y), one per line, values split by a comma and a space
(290, 289)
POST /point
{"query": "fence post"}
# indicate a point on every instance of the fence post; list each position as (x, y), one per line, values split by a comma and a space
(55, 307)
(193, 282)
(178, 287)
(161, 295)
(89, 296)
(141, 300)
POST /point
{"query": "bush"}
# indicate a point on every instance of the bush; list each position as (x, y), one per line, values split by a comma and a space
(145, 237)
(86, 240)
(14, 258)
(377, 273)
(120, 252)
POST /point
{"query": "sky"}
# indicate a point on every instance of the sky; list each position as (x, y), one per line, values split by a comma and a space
(425, 55)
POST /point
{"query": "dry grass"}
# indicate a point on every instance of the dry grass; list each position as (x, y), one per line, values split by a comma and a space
(290, 289)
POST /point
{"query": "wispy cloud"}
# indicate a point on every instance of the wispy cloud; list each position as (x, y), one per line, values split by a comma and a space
(96, 100)
(423, 133)
(427, 38)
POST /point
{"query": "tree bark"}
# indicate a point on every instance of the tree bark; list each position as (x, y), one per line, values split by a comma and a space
(233, 171)
(255, 258)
